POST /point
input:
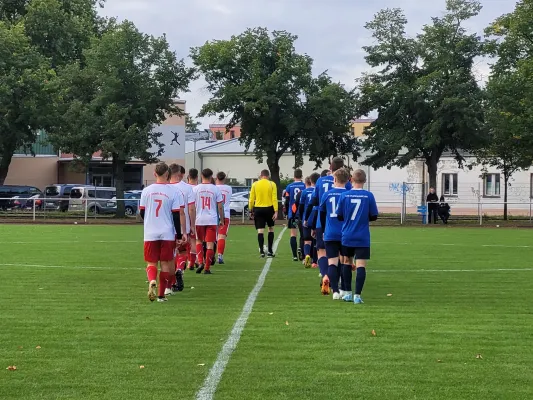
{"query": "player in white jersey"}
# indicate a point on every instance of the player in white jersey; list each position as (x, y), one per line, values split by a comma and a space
(184, 190)
(209, 206)
(192, 181)
(226, 192)
(161, 207)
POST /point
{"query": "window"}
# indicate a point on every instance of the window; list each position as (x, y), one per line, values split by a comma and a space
(249, 181)
(491, 185)
(449, 184)
(232, 134)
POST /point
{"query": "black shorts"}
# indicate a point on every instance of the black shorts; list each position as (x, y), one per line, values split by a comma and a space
(333, 248)
(264, 216)
(307, 234)
(293, 223)
(360, 253)
(320, 239)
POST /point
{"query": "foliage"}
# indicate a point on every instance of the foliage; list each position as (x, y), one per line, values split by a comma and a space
(191, 125)
(426, 96)
(126, 88)
(265, 86)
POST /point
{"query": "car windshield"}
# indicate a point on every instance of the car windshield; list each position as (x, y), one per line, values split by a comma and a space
(75, 194)
(51, 191)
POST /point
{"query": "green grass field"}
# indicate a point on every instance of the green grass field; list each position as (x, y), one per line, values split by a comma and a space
(79, 294)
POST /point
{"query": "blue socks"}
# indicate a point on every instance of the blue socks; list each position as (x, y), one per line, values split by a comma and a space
(307, 249)
(323, 266)
(360, 280)
(346, 273)
(333, 274)
(293, 246)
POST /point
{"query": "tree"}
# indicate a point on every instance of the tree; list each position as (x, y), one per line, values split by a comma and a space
(191, 125)
(25, 93)
(113, 103)
(265, 86)
(426, 96)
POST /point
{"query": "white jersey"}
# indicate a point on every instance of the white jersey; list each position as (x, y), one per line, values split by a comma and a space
(189, 198)
(226, 192)
(158, 202)
(207, 199)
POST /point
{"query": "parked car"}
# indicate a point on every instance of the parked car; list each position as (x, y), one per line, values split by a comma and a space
(240, 189)
(131, 202)
(23, 193)
(22, 203)
(56, 197)
(96, 199)
(239, 203)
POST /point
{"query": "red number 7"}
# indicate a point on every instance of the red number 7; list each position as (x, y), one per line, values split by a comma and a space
(159, 204)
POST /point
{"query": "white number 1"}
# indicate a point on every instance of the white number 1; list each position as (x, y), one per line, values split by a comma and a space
(334, 207)
(357, 203)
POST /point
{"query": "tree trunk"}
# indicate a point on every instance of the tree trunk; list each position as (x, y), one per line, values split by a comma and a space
(505, 182)
(118, 175)
(432, 172)
(5, 161)
(273, 166)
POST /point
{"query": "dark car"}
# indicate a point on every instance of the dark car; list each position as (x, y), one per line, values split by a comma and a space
(9, 194)
(57, 196)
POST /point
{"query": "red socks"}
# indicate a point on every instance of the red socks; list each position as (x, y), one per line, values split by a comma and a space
(200, 253)
(164, 277)
(151, 273)
(210, 253)
(221, 246)
(180, 262)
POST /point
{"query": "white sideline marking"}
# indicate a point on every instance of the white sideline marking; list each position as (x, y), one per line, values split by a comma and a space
(449, 270)
(207, 391)
(455, 244)
(75, 241)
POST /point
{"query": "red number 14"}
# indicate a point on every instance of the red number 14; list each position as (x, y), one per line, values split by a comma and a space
(206, 202)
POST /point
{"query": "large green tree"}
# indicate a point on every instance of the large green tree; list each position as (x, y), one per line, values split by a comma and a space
(263, 84)
(113, 102)
(423, 89)
(25, 93)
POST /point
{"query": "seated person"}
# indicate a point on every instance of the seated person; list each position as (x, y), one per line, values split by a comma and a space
(444, 210)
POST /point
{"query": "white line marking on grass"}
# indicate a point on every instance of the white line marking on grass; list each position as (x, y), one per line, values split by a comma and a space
(449, 270)
(207, 391)
(75, 241)
(222, 270)
(456, 244)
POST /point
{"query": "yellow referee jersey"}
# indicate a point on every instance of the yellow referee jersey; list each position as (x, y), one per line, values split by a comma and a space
(264, 193)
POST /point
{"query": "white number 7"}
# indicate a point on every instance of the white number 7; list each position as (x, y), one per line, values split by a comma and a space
(357, 203)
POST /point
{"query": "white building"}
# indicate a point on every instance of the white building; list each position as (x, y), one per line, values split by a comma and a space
(468, 191)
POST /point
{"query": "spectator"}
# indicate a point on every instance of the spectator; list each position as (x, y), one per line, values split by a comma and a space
(444, 210)
(433, 205)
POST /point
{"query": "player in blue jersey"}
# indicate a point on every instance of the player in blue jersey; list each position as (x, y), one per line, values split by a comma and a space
(302, 200)
(333, 231)
(356, 208)
(294, 222)
(322, 186)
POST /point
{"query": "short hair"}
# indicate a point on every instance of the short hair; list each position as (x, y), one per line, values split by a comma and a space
(221, 176)
(265, 173)
(161, 168)
(174, 168)
(336, 164)
(182, 169)
(213, 181)
(308, 180)
(314, 177)
(207, 173)
(342, 175)
(193, 173)
(359, 176)
(324, 173)
(298, 173)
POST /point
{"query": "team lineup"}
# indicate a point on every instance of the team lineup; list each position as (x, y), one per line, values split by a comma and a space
(188, 222)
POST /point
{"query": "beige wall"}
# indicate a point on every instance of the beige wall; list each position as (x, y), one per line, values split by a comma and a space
(174, 119)
(32, 171)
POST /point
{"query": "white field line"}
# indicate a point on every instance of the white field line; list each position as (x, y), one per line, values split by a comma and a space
(208, 389)
(106, 268)
(74, 241)
(455, 244)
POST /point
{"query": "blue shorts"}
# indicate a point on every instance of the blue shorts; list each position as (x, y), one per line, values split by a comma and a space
(333, 248)
(360, 253)
(320, 239)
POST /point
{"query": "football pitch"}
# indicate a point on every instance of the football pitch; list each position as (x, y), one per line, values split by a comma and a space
(448, 314)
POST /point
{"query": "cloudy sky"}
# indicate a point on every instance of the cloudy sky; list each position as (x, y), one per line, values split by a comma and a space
(330, 31)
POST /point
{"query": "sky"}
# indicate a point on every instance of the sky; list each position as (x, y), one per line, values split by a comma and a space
(330, 31)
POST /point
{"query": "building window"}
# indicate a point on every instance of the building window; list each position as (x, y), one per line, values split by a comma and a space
(491, 185)
(232, 134)
(250, 181)
(449, 184)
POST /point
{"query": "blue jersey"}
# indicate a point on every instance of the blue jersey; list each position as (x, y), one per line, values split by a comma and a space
(355, 209)
(328, 205)
(290, 192)
(305, 197)
(322, 186)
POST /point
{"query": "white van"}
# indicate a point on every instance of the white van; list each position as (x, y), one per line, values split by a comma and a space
(96, 199)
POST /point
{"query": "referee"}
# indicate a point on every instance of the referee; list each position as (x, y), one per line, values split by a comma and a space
(263, 204)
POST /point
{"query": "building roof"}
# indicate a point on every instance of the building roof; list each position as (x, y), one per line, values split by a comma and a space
(202, 145)
(231, 146)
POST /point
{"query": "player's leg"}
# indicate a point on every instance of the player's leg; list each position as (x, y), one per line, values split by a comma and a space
(314, 254)
(362, 256)
(332, 278)
(293, 239)
(270, 222)
(308, 242)
(321, 252)
(181, 259)
(347, 254)
(200, 238)
(260, 223)
(166, 257)
(151, 256)
(222, 235)
(210, 236)
(301, 241)
(192, 252)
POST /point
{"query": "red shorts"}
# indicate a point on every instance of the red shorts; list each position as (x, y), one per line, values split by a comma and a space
(206, 233)
(223, 230)
(159, 250)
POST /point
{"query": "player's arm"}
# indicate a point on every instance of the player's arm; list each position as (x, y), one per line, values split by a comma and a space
(340, 209)
(286, 200)
(176, 216)
(322, 212)
(142, 204)
(373, 209)
(275, 197)
(251, 201)
(192, 216)
(313, 202)
(220, 205)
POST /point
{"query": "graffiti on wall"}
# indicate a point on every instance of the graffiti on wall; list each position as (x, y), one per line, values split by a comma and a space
(399, 188)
